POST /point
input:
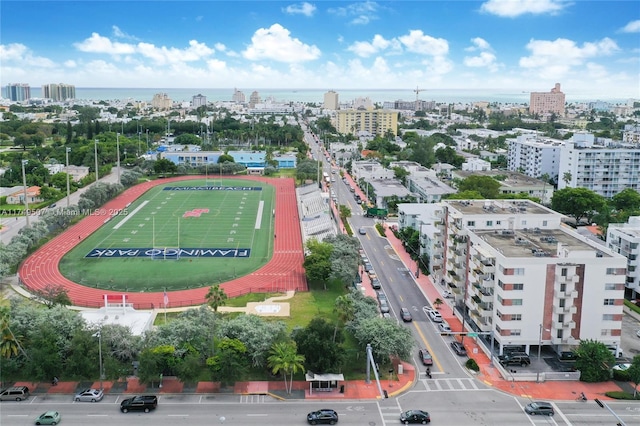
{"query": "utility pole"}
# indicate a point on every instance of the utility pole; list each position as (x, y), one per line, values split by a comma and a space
(95, 153)
(67, 150)
(24, 183)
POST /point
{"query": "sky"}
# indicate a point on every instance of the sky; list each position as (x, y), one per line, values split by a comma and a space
(525, 45)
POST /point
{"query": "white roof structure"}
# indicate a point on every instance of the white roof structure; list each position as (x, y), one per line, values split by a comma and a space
(137, 321)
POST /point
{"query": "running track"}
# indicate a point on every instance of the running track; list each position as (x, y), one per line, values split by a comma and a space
(283, 272)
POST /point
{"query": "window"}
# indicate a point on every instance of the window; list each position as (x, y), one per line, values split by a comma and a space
(518, 286)
(559, 334)
(605, 332)
(608, 317)
(544, 223)
(516, 332)
(611, 271)
(498, 314)
(489, 223)
(498, 222)
(516, 302)
(501, 284)
(471, 223)
(524, 223)
(500, 300)
(560, 318)
(562, 302)
(563, 272)
(516, 317)
(518, 271)
(609, 286)
(608, 302)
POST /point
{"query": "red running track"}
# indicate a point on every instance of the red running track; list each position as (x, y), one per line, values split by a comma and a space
(283, 272)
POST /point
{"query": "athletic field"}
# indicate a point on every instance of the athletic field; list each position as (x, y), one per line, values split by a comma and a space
(182, 235)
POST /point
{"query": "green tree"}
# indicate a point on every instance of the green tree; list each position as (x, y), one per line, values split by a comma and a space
(284, 358)
(387, 338)
(257, 333)
(316, 342)
(579, 203)
(634, 374)
(343, 307)
(230, 362)
(164, 166)
(52, 295)
(487, 186)
(594, 361)
(628, 200)
(216, 297)
(225, 158)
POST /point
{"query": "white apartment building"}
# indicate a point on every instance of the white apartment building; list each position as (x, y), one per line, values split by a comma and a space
(370, 170)
(198, 101)
(476, 165)
(624, 238)
(512, 183)
(521, 275)
(238, 97)
(534, 155)
(631, 134)
(606, 170)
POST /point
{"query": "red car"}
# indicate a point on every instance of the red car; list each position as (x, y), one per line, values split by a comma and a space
(425, 357)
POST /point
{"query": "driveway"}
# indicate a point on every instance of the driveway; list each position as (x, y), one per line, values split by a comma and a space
(630, 342)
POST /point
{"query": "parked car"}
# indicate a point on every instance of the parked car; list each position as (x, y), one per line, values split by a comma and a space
(444, 328)
(447, 294)
(48, 418)
(375, 284)
(433, 314)
(638, 333)
(622, 367)
(324, 416)
(405, 315)
(144, 403)
(384, 306)
(381, 295)
(15, 393)
(568, 356)
(415, 416)
(362, 231)
(368, 267)
(425, 357)
(539, 407)
(515, 358)
(89, 395)
(458, 348)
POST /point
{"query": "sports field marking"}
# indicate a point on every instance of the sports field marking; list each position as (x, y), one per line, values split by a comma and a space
(259, 214)
(129, 216)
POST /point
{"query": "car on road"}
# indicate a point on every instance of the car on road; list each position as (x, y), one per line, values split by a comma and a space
(638, 333)
(49, 418)
(384, 306)
(539, 407)
(14, 393)
(447, 294)
(324, 416)
(375, 284)
(443, 328)
(425, 357)
(368, 267)
(89, 395)
(458, 348)
(362, 231)
(405, 315)
(415, 417)
(144, 403)
(432, 314)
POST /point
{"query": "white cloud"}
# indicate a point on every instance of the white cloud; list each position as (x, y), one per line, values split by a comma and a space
(361, 13)
(418, 42)
(220, 47)
(632, 27)
(163, 55)
(483, 60)
(306, 9)
(276, 43)
(70, 63)
(478, 44)
(118, 33)
(514, 8)
(18, 52)
(365, 49)
(99, 44)
(562, 53)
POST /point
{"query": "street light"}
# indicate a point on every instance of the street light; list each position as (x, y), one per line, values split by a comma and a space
(95, 153)
(99, 336)
(24, 184)
(118, 153)
(67, 151)
(539, 350)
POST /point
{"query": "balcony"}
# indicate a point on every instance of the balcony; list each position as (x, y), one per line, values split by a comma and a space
(567, 325)
(566, 310)
(567, 294)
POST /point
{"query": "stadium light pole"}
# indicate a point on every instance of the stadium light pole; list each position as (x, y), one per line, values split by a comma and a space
(95, 154)
(24, 184)
(118, 153)
(67, 157)
(99, 336)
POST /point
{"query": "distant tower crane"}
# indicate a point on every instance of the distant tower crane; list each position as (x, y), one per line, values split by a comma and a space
(417, 91)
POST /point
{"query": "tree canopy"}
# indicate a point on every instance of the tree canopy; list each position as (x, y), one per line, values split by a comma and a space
(578, 203)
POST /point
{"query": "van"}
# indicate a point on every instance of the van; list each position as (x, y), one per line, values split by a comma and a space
(16, 393)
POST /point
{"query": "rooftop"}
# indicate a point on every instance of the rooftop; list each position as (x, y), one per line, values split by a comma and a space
(500, 207)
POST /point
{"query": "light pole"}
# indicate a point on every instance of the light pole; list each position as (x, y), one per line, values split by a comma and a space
(24, 184)
(67, 151)
(95, 153)
(539, 351)
(99, 335)
(118, 153)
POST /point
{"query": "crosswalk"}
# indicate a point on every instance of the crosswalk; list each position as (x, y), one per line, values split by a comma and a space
(452, 384)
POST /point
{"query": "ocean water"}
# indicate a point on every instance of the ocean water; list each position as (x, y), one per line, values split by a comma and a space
(317, 95)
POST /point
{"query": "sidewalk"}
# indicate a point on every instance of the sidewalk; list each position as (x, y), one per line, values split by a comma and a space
(553, 390)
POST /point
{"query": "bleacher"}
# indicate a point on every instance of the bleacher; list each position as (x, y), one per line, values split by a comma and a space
(314, 210)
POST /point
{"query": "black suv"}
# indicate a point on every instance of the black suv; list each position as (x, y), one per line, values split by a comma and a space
(323, 416)
(515, 358)
(144, 403)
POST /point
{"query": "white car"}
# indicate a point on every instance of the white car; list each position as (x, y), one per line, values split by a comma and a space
(622, 367)
(446, 294)
(444, 328)
(432, 314)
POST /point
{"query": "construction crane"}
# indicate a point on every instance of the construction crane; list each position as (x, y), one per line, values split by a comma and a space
(417, 90)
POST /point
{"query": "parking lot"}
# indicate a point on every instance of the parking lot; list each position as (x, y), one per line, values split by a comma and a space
(630, 341)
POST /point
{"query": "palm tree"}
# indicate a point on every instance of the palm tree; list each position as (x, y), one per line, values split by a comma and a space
(284, 357)
(216, 297)
(437, 303)
(9, 342)
(345, 310)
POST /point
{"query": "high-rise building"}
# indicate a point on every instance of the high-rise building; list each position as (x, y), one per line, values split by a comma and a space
(331, 100)
(58, 92)
(547, 102)
(161, 101)
(534, 155)
(238, 97)
(18, 92)
(517, 272)
(198, 101)
(254, 99)
(374, 121)
(624, 238)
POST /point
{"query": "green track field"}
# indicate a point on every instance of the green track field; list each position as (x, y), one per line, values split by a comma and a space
(160, 223)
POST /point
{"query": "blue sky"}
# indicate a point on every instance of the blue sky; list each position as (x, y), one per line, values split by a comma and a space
(588, 46)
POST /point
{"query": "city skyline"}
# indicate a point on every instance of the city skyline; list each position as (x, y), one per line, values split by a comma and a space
(524, 45)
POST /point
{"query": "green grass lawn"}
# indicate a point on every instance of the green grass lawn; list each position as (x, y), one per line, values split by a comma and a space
(228, 220)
